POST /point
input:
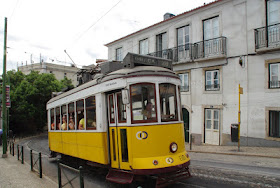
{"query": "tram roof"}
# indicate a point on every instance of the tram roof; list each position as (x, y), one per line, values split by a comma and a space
(126, 72)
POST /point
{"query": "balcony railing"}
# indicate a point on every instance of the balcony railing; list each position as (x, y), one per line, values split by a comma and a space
(180, 53)
(266, 37)
(213, 87)
(209, 48)
(188, 52)
(184, 88)
(274, 84)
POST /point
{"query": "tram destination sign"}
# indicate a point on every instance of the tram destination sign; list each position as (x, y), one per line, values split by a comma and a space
(132, 60)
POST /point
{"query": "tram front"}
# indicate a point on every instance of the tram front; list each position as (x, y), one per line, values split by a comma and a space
(147, 133)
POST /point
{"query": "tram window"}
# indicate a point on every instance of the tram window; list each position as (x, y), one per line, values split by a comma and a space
(112, 111)
(71, 116)
(168, 102)
(121, 109)
(57, 118)
(80, 114)
(52, 119)
(64, 118)
(91, 113)
(143, 103)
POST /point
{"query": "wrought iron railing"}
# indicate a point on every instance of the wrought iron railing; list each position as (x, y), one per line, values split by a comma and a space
(208, 48)
(212, 87)
(184, 88)
(268, 36)
(274, 84)
(180, 53)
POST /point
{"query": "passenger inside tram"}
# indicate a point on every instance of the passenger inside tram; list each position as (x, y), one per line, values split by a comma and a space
(63, 125)
(71, 125)
(81, 124)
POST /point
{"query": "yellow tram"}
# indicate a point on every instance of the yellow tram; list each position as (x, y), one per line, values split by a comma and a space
(129, 120)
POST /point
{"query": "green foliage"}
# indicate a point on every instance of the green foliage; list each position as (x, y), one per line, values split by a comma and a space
(29, 95)
(66, 83)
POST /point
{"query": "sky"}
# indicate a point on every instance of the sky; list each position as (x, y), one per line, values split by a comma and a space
(45, 28)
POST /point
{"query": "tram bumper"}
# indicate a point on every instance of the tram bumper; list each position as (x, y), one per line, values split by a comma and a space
(161, 170)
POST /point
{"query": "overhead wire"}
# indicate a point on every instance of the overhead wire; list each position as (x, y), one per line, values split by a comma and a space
(14, 9)
(92, 25)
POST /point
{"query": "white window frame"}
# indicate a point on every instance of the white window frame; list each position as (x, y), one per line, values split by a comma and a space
(212, 118)
(184, 36)
(119, 54)
(212, 80)
(273, 12)
(184, 81)
(213, 31)
(144, 46)
(274, 77)
(161, 42)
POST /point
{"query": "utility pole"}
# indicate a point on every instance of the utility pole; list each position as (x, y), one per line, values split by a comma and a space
(240, 91)
(4, 111)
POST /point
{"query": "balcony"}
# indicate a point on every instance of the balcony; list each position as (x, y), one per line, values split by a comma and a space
(184, 88)
(209, 48)
(212, 87)
(267, 38)
(212, 48)
(274, 84)
(176, 54)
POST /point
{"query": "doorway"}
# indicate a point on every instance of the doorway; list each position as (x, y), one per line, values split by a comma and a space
(186, 119)
(118, 134)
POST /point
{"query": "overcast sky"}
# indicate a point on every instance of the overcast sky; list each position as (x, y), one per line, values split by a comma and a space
(82, 27)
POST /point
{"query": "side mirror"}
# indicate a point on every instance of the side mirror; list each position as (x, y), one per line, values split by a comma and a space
(125, 96)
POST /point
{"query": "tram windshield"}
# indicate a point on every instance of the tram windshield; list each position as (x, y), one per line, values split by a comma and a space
(168, 102)
(143, 103)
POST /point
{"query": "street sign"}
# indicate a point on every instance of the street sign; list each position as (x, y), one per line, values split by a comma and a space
(241, 90)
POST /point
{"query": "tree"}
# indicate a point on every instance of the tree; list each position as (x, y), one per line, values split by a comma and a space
(66, 84)
(29, 95)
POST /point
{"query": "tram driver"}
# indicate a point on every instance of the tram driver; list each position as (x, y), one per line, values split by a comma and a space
(148, 111)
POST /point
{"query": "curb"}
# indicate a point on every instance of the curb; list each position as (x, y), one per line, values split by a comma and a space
(238, 154)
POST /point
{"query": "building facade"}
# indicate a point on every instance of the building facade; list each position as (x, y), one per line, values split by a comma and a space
(214, 48)
(59, 71)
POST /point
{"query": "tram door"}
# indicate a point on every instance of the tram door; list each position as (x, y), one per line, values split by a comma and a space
(118, 132)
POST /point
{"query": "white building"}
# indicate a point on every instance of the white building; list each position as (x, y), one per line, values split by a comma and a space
(59, 71)
(215, 48)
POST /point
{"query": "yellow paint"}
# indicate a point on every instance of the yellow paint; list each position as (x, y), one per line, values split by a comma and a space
(85, 145)
(157, 146)
(153, 144)
(142, 152)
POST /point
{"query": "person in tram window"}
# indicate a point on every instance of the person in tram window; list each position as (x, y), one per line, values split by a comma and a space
(148, 111)
(81, 125)
(52, 126)
(71, 124)
(63, 125)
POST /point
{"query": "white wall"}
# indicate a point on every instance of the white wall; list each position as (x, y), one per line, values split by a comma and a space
(237, 20)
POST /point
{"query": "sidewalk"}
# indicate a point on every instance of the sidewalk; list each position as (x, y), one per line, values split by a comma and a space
(14, 174)
(271, 152)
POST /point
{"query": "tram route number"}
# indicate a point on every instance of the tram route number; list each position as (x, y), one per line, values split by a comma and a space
(183, 157)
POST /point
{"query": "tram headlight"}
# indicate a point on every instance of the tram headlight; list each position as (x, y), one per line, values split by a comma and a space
(173, 147)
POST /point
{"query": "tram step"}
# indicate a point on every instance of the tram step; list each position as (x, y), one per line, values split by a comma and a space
(169, 178)
(119, 176)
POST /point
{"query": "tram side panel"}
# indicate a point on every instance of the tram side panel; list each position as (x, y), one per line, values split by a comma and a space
(87, 145)
(55, 141)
